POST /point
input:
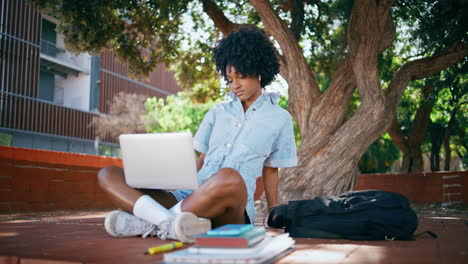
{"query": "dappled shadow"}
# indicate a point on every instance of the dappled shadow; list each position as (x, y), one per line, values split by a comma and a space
(79, 236)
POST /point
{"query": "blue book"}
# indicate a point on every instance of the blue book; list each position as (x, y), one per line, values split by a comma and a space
(230, 230)
(244, 240)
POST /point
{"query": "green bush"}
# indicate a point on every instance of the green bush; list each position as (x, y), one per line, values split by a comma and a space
(176, 113)
(5, 139)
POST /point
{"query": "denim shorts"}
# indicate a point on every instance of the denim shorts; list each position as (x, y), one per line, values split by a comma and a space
(181, 194)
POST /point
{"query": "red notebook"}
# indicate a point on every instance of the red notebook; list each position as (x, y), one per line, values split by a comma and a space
(244, 240)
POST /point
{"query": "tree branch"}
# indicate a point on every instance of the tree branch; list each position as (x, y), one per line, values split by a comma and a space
(218, 17)
(397, 137)
(422, 68)
(370, 31)
(422, 117)
(297, 18)
(387, 27)
(283, 66)
(303, 87)
(226, 26)
(335, 99)
(285, 6)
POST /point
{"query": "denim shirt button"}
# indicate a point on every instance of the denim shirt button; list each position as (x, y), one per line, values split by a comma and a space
(228, 145)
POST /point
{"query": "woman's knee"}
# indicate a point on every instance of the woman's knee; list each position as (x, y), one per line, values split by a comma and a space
(229, 179)
(109, 175)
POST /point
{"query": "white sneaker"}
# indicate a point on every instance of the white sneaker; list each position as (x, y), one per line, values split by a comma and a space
(185, 227)
(123, 224)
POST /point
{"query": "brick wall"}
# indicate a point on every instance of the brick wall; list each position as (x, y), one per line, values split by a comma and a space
(420, 187)
(40, 180)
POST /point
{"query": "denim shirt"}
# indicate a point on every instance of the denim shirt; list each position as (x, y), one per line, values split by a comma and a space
(246, 141)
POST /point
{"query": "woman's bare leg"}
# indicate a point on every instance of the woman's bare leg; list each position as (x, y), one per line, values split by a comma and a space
(154, 210)
(222, 198)
(112, 180)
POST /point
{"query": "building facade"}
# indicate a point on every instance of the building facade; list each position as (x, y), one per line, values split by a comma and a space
(48, 95)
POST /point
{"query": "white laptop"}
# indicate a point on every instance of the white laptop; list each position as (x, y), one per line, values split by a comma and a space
(159, 160)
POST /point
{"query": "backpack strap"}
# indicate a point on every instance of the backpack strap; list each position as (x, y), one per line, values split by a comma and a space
(430, 233)
(277, 216)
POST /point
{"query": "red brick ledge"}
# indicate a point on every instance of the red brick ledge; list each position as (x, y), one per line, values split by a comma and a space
(57, 157)
(428, 187)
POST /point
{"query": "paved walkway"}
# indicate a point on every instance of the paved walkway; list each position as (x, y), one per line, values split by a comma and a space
(79, 237)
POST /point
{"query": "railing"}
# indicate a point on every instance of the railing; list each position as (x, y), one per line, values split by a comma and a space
(50, 48)
(36, 115)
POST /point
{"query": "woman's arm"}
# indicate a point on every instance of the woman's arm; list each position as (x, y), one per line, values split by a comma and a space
(200, 161)
(270, 185)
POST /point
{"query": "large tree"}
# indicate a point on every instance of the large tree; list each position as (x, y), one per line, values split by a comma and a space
(333, 138)
(437, 97)
(428, 117)
(410, 140)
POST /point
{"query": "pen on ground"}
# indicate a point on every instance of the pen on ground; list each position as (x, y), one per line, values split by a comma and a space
(163, 248)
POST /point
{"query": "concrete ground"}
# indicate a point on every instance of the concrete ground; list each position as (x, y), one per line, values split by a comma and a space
(79, 237)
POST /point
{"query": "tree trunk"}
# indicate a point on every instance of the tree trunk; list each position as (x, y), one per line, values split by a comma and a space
(448, 149)
(412, 160)
(437, 132)
(448, 131)
(333, 168)
(411, 146)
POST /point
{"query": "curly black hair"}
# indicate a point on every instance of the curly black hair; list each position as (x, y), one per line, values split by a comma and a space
(250, 51)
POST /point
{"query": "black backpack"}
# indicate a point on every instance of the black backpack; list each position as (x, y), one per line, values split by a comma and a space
(357, 215)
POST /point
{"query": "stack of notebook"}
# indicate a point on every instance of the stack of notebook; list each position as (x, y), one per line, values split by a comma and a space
(234, 244)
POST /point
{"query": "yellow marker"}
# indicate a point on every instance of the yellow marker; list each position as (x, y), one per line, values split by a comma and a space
(163, 248)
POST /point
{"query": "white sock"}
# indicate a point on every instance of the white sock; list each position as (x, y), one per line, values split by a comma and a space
(148, 209)
(176, 209)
